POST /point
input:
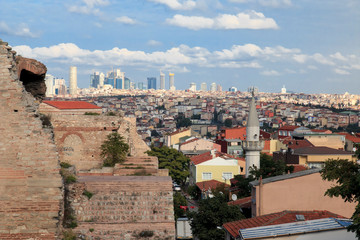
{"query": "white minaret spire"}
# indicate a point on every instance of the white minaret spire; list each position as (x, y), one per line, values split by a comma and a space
(252, 145)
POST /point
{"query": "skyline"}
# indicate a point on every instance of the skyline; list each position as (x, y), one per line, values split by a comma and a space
(309, 47)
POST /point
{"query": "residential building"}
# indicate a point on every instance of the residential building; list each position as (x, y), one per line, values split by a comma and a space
(162, 80)
(171, 81)
(73, 81)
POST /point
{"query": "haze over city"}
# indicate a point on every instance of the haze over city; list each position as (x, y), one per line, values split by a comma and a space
(311, 47)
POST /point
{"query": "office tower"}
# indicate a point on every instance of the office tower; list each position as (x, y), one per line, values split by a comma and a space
(132, 85)
(49, 82)
(219, 88)
(151, 82)
(213, 87)
(252, 145)
(127, 83)
(115, 78)
(253, 89)
(203, 86)
(94, 79)
(283, 89)
(119, 83)
(73, 80)
(162, 80)
(141, 85)
(192, 87)
(233, 89)
(101, 79)
(59, 86)
(171, 81)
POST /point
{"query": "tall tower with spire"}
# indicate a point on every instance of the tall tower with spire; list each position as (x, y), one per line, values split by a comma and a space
(252, 145)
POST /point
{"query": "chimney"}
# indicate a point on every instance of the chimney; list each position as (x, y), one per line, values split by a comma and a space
(212, 152)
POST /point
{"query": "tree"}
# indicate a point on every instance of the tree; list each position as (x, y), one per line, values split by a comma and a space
(182, 121)
(270, 168)
(179, 200)
(175, 161)
(228, 122)
(114, 150)
(211, 215)
(347, 176)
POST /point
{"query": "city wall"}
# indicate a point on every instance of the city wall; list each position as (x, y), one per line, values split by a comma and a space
(123, 207)
(31, 190)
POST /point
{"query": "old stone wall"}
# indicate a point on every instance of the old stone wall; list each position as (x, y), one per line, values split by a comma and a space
(123, 207)
(30, 183)
(78, 138)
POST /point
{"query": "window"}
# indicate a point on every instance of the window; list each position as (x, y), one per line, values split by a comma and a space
(207, 176)
(227, 175)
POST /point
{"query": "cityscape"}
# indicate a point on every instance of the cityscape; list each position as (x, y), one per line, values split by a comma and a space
(179, 119)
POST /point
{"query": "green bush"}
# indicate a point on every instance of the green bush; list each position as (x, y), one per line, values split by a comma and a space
(146, 233)
(65, 165)
(91, 113)
(114, 150)
(69, 235)
(88, 194)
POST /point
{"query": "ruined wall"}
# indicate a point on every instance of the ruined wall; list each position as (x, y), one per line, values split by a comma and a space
(30, 183)
(78, 138)
(123, 207)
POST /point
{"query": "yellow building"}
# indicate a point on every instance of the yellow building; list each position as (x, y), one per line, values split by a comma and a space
(214, 165)
(174, 138)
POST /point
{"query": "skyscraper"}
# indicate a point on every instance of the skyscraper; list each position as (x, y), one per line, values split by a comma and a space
(73, 80)
(162, 80)
(213, 87)
(192, 87)
(49, 82)
(94, 79)
(151, 82)
(252, 145)
(283, 89)
(171, 81)
(203, 86)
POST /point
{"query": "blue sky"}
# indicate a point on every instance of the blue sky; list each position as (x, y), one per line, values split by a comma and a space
(308, 46)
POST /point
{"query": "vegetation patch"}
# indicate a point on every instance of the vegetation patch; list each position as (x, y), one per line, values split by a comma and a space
(69, 235)
(88, 194)
(114, 150)
(65, 165)
(45, 120)
(91, 113)
(146, 233)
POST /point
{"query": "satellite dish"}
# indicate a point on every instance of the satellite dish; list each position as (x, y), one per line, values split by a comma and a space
(234, 197)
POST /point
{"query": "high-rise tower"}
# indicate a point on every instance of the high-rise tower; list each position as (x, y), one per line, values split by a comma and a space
(151, 82)
(73, 80)
(252, 145)
(171, 81)
(162, 80)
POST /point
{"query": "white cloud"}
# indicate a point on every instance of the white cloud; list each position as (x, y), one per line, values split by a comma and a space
(154, 43)
(321, 59)
(341, 71)
(176, 4)
(270, 73)
(275, 3)
(338, 56)
(21, 31)
(89, 7)
(248, 20)
(125, 20)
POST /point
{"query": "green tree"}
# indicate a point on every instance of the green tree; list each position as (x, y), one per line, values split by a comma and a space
(175, 161)
(114, 150)
(179, 200)
(346, 174)
(270, 168)
(182, 121)
(211, 215)
(228, 123)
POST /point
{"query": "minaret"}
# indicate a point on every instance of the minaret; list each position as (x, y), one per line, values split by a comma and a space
(252, 145)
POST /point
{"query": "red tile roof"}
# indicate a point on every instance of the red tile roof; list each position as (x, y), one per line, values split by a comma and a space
(274, 219)
(210, 184)
(293, 144)
(289, 127)
(71, 105)
(299, 168)
(350, 137)
(178, 131)
(243, 202)
(207, 156)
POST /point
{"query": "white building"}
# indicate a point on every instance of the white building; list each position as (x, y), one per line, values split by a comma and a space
(73, 80)
(49, 82)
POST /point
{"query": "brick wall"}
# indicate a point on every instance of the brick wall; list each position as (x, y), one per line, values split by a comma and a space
(30, 183)
(123, 206)
(78, 138)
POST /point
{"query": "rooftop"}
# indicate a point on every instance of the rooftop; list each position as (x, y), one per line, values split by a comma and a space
(274, 219)
(71, 105)
(320, 151)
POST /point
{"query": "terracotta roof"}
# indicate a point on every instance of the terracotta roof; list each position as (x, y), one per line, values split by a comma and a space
(71, 105)
(293, 143)
(299, 168)
(289, 127)
(274, 219)
(207, 156)
(178, 131)
(350, 137)
(320, 151)
(243, 202)
(210, 184)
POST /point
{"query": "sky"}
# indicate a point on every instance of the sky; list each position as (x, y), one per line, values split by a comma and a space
(308, 46)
